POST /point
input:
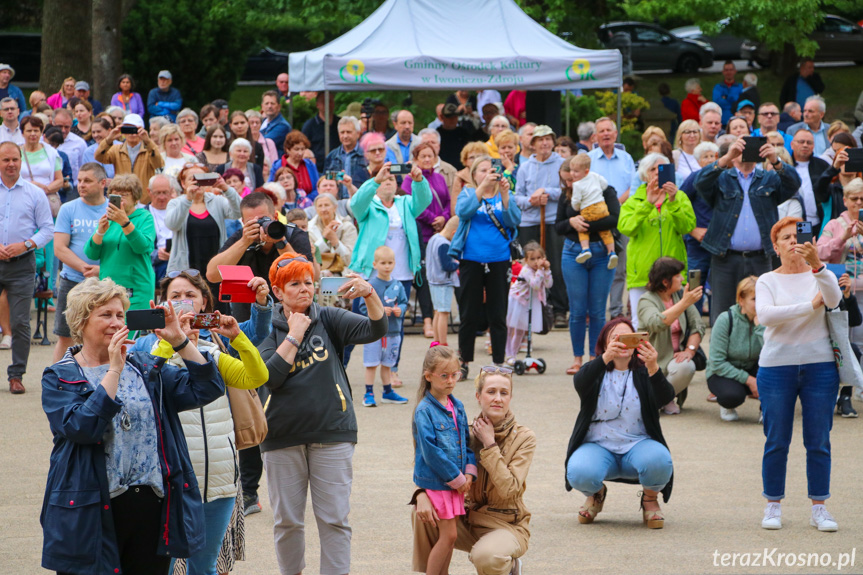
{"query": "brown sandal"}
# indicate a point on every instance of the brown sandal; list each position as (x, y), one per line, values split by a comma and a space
(653, 518)
(574, 368)
(587, 513)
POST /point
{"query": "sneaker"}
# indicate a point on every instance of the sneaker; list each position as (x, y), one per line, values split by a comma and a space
(772, 516)
(822, 519)
(711, 397)
(510, 361)
(369, 400)
(671, 408)
(728, 414)
(844, 407)
(391, 397)
(612, 261)
(6, 342)
(583, 256)
(251, 505)
(516, 567)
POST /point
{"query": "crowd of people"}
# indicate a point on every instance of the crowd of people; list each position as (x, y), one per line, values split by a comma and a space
(522, 229)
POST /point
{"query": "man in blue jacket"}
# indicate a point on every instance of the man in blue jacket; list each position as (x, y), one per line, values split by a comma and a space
(164, 100)
(728, 92)
(7, 72)
(274, 127)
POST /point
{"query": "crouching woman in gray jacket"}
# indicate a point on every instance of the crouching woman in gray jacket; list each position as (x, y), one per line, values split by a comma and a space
(310, 412)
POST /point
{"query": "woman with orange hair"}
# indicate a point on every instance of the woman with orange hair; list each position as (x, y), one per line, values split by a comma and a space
(310, 413)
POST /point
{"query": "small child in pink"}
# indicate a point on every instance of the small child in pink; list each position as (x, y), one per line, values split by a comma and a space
(535, 275)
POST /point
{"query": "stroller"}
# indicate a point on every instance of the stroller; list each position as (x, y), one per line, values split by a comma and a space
(521, 366)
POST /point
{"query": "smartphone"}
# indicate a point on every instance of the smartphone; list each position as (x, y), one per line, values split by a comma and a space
(206, 179)
(128, 130)
(694, 277)
(860, 215)
(855, 160)
(837, 269)
(752, 151)
(205, 321)
(666, 174)
(496, 166)
(181, 306)
(400, 169)
(145, 319)
(116, 200)
(329, 286)
(632, 340)
(804, 232)
(168, 243)
(333, 175)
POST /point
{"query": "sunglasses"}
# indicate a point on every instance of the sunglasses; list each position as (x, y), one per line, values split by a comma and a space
(177, 273)
(285, 262)
(194, 165)
(496, 369)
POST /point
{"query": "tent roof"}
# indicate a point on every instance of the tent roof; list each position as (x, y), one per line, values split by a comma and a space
(448, 45)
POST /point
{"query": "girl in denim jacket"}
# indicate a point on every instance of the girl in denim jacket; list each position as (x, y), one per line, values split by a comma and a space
(444, 464)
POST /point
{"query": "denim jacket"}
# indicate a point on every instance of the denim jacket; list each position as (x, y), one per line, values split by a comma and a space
(721, 190)
(442, 455)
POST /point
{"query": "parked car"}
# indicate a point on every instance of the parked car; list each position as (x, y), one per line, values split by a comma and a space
(655, 48)
(265, 65)
(726, 46)
(23, 52)
(839, 40)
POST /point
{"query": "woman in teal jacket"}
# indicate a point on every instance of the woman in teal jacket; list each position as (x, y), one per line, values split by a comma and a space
(655, 219)
(123, 247)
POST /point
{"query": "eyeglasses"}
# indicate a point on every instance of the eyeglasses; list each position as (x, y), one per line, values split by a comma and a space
(855, 199)
(768, 114)
(456, 375)
(685, 132)
(9, 109)
(376, 150)
(194, 165)
(177, 273)
(285, 262)
(497, 369)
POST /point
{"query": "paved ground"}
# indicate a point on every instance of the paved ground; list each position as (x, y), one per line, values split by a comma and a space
(716, 505)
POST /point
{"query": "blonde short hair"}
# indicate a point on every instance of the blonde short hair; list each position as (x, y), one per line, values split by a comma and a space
(684, 126)
(87, 296)
(746, 286)
(479, 380)
(855, 186)
(127, 183)
(506, 137)
(580, 161)
(471, 149)
(168, 130)
(652, 131)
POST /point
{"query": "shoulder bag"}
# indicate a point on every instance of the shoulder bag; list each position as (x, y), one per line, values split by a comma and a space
(515, 250)
(250, 421)
(849, 369)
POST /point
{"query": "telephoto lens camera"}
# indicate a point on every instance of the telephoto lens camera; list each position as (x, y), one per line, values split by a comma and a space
(273, 228)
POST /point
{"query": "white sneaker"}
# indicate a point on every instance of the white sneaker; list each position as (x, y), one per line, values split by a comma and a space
(822, 519)
(728, 414)
(6, 342)
(772, 516)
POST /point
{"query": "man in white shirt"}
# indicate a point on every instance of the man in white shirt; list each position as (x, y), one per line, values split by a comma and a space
(10, 130)
(73, 145)
(163, 189)
(813, 116)
(809, 168)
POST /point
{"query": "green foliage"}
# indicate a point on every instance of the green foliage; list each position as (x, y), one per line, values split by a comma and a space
(583, 109)
(203, 44)
(607, 101)
(304, 109)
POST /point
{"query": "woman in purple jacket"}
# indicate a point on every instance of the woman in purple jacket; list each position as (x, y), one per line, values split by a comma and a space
(429, 222)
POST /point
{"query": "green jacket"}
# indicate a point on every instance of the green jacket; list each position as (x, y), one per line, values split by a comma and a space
(732, 356)
(374, 223)
(650, 312)
(648, 240)
(126, 258)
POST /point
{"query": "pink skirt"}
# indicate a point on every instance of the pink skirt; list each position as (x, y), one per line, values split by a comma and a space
(448, 504)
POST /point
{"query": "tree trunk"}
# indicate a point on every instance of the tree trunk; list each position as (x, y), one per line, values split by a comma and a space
(65, 43)
(107, 49)
(784, 63)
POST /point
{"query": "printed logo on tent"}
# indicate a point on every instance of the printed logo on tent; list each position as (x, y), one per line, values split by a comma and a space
(354, 71)
(580, 70)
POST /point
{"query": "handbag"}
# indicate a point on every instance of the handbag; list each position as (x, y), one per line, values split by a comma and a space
(54, 200)
(250, 421)
(849, 369)
(515, 250)
(332, 262)
(700, 358)
(547, 319)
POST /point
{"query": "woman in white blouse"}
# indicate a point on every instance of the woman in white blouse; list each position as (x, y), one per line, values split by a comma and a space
(334, 236)
(688, 136)
(617, 436)
(172, 143)
(796, 361)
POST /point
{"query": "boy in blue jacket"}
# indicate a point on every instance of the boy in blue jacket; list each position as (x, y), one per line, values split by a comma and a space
(385, 352)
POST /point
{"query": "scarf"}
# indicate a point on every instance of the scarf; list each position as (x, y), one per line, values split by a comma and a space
(501, 432)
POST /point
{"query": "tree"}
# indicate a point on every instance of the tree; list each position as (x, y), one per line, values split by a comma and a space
(107, 62)
(203, 44)
(65, 43)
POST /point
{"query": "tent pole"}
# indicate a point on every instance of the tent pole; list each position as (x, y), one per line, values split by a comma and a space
(619, 114)
(567, 113)
(290, 110)
(327, 122)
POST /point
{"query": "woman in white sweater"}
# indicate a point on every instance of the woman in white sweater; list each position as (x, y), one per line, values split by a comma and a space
(796, 361)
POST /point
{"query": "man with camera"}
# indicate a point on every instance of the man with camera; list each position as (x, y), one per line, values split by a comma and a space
(262, 239)
(138, 155)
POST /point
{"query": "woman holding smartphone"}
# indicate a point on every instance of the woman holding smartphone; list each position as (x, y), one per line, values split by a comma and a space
(796, 361)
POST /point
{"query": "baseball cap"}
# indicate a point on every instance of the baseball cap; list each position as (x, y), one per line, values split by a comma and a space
(743, 103)
(7, 67)
(541, 131)
(133, 120)
(449, 110)
(82, 86)
(221, 104)
(165, 74)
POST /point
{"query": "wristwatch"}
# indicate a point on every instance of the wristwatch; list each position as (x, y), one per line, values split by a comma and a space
(29, 245)
(280, 245)
(126, 224)
(691, 348)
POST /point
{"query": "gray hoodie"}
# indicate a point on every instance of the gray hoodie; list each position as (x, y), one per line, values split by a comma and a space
(311, 401)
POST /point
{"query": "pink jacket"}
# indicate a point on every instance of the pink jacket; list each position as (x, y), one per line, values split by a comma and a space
(833, 249)
(539, 280)
(55, 100)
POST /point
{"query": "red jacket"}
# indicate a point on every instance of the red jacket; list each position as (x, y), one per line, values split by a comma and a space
(690, 106)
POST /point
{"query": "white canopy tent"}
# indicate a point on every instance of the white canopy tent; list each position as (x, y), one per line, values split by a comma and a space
(451, 45)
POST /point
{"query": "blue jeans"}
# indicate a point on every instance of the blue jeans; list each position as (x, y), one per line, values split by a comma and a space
(648, 462)
(217, 515)
(698, 259)
(587, 286)
(817, 385)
